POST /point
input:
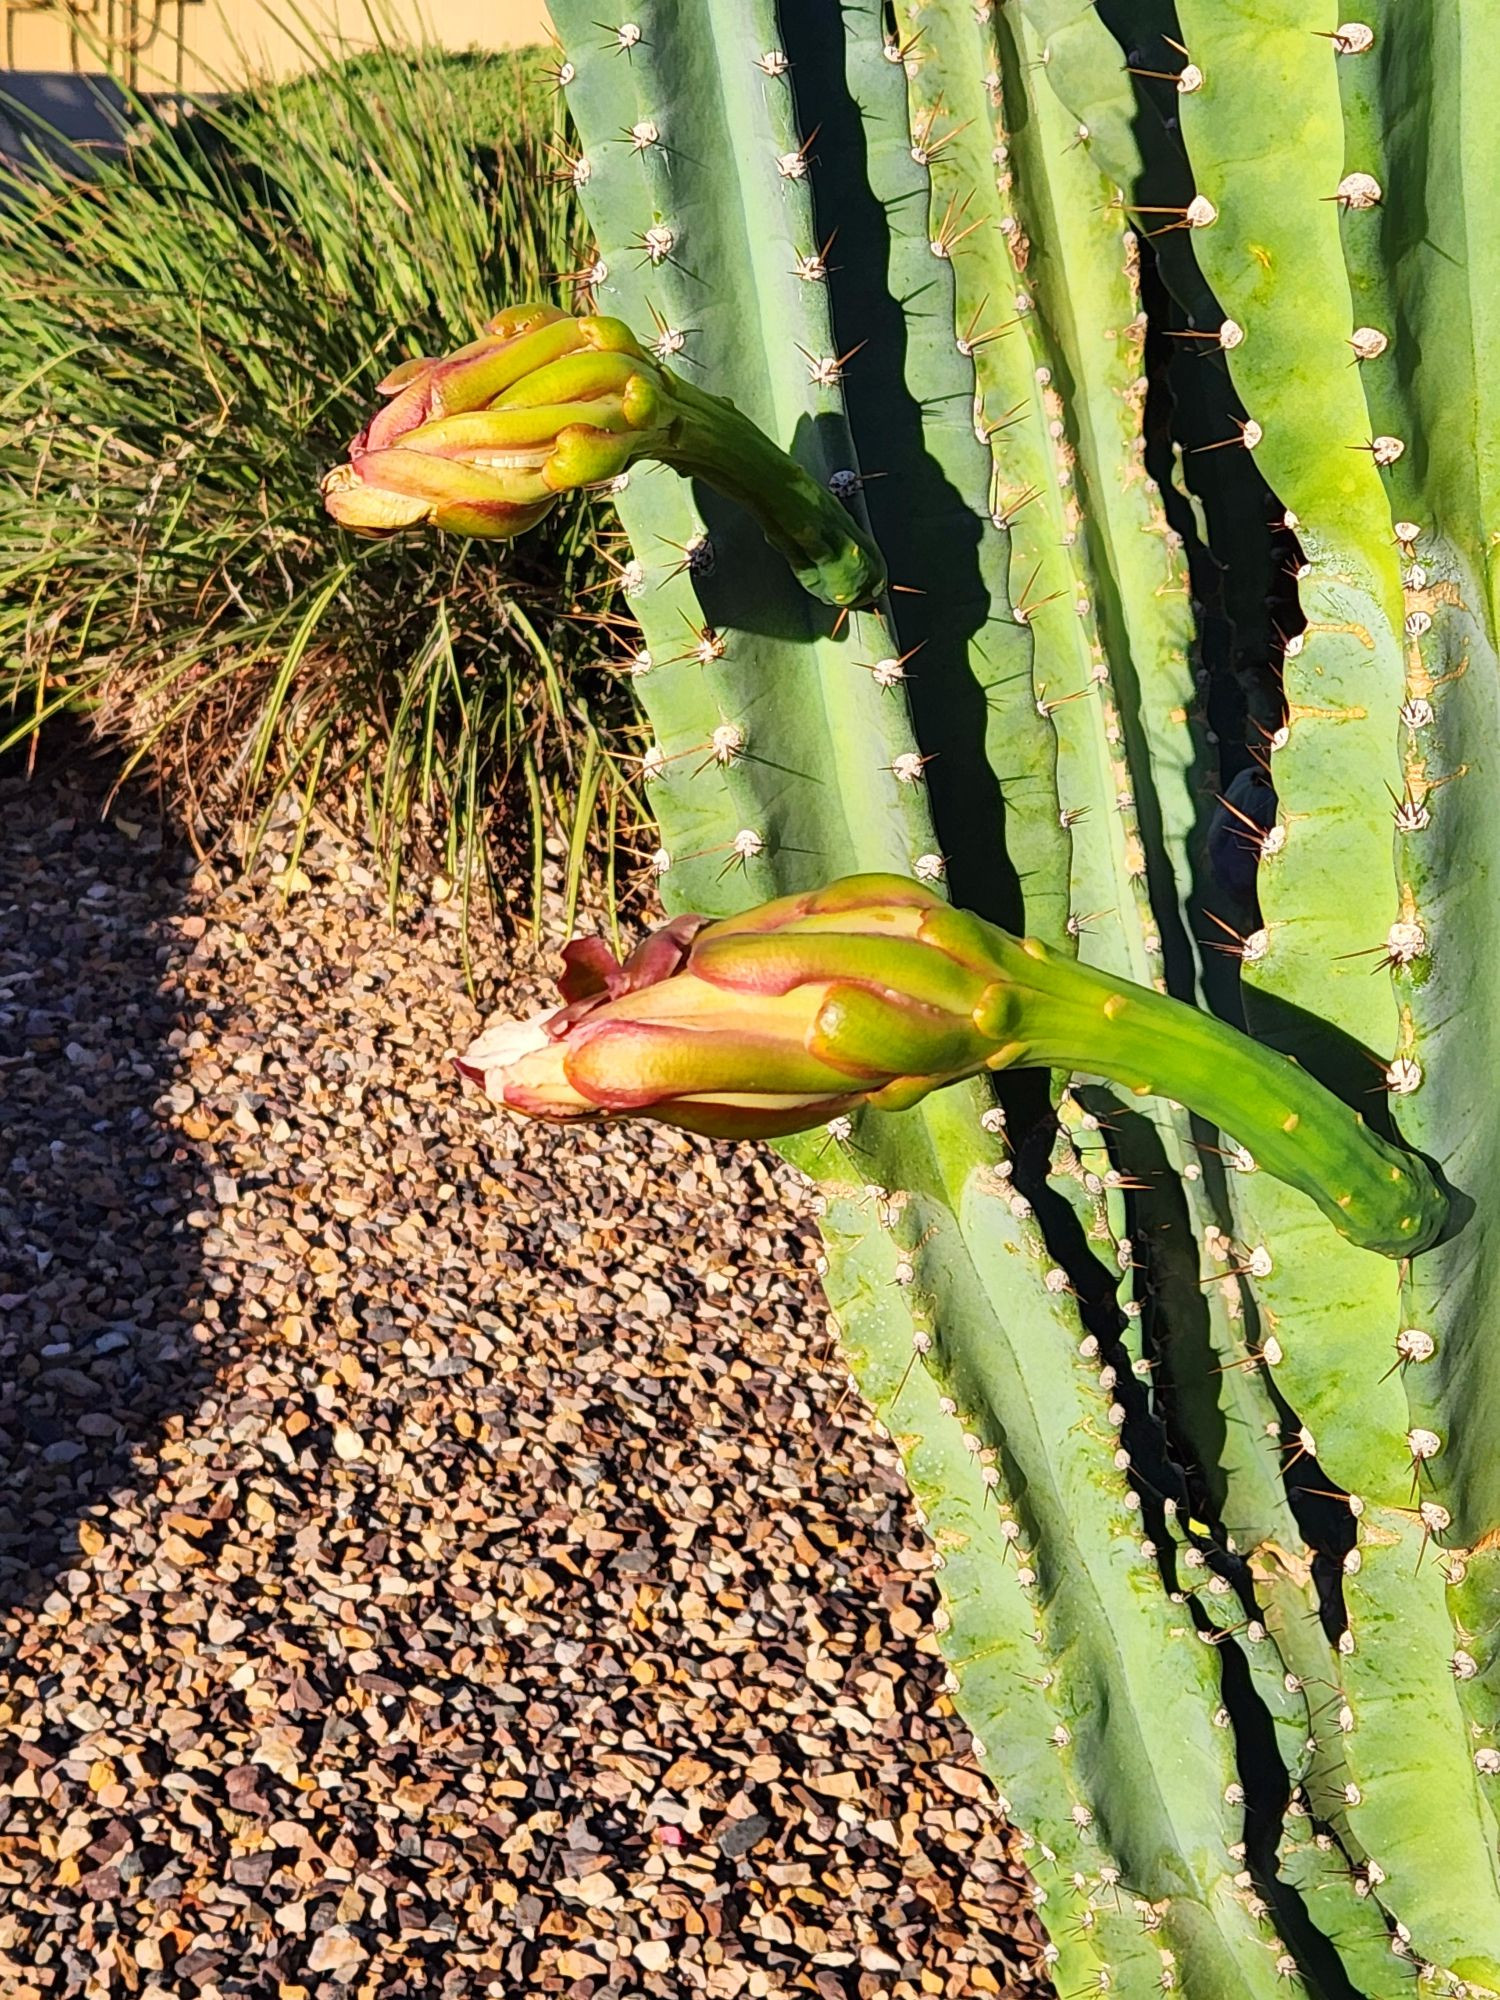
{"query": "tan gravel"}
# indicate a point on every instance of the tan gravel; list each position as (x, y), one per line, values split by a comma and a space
(436, 1557)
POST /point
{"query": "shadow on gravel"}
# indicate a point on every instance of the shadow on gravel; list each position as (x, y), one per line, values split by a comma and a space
(101, 1290)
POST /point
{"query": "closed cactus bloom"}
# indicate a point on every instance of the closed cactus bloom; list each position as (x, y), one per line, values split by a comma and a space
(872, 990)
(485, 440)
(758, 1026)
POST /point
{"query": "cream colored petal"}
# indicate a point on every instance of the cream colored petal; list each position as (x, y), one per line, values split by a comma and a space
(371, 510)
(504, 1042)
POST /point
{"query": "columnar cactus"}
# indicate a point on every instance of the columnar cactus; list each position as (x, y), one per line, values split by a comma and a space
(1169, 433)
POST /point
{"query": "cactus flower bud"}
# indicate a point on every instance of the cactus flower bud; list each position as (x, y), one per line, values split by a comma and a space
(873, 991)
(486, 441)
(754, 1027)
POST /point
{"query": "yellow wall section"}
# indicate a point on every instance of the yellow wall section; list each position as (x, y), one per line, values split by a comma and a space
(218, 44)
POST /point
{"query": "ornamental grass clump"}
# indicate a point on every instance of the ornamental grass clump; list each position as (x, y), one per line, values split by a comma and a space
(191, 328)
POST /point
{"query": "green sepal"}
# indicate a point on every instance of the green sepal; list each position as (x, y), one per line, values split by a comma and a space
(776, 963)
(573, 378)
(475, 383)
(635, 1065)
(871, 1031)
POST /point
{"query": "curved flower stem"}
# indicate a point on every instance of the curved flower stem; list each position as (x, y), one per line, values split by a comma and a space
(1054, 1012)
(831, 555)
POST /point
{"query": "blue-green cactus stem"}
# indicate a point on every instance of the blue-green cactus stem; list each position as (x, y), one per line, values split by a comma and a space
(1412, 300)
(1133, 117)
(1054, 405)
(1061, 182)
(1092, 552)
(983, 1558)
(727, 647)
(970, 663)
(1081, 1532)
(1428, 344)
(1337, 1894)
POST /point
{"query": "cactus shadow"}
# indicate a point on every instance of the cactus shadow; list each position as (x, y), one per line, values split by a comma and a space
(1352, 1072)
(1178, 1342)
(1339, 1062)
(750, 589)
(104, 1302)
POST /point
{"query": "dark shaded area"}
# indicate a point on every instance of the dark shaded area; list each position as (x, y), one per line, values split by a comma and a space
(753, 592)
(1339, 1062)
(526, 1537)
(1267, 1791)
(101, 1288)
(89, 112)
(1175, 1321)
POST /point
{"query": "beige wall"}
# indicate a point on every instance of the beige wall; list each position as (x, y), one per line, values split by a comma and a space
(208, 44)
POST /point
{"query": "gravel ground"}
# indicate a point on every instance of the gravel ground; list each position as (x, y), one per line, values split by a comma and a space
(436, 1557)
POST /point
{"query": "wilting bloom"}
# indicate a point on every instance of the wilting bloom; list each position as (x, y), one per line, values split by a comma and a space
(874, 991)
(485, 441)
(759, 1025)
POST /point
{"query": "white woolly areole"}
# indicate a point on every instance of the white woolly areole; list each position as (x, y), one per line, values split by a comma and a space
(1403, 1076)
(1405, 941)
(1359, 191)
